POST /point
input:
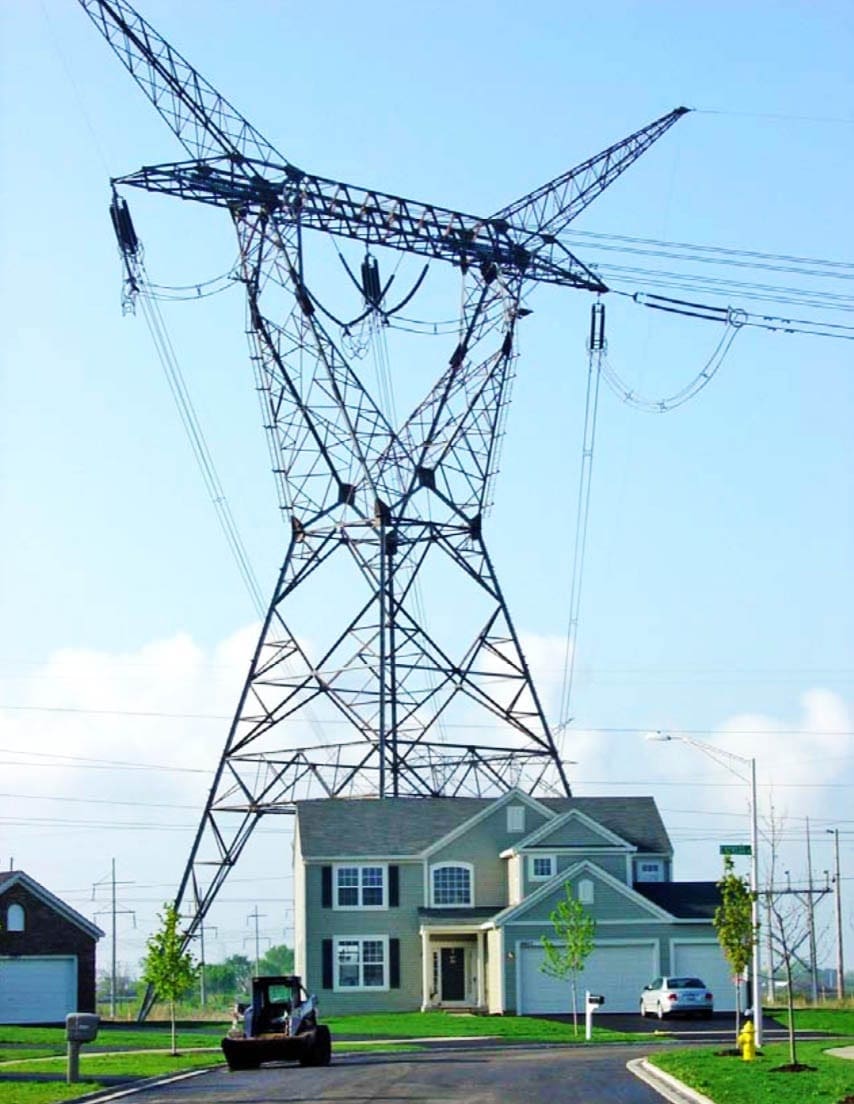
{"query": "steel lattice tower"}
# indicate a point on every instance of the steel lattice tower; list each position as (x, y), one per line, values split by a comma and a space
(380, 506)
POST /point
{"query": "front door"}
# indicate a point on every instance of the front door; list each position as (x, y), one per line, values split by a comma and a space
(452, 967)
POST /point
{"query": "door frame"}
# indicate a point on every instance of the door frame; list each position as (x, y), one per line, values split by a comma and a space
(451, 945)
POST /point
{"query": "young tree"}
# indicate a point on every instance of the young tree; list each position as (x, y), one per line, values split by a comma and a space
(166, 967)
(788, 931)
(574, 932)
(733, 923)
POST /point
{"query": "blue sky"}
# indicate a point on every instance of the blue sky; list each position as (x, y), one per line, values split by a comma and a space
(717, 596)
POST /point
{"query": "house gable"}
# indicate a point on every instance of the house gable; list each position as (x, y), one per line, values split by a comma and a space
(19, 887)
(576, 830)
(494, 818)
(612, 899)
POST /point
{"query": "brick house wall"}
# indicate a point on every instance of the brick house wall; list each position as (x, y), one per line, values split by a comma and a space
(47, 932)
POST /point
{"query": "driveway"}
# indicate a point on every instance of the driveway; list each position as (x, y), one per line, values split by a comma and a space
(529, 1075)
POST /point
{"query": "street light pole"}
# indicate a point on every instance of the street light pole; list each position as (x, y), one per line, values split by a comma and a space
(754, 910)
(840, 968)
(714, 753)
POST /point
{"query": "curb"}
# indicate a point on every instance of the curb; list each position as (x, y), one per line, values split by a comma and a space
(104, 1095)
(665, 1084)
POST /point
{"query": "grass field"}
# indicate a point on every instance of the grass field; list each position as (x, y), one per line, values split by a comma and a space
(729, 1080)
(837, 1021)
(432, 1025)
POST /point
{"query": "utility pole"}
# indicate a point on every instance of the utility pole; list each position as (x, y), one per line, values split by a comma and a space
(202, 994)
(114, 910)
(840, 967)
(811, 918)
(256, 916)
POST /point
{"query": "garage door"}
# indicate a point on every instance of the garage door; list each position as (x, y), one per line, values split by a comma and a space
(707, 961)
(618, 971)
(37, 989)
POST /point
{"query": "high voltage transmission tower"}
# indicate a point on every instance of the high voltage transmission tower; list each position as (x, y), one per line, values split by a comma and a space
(377, 512)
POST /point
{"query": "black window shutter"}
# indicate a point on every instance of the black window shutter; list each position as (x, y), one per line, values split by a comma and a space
(326, 886)
(327, 964)
(393, 886)
(394, 963)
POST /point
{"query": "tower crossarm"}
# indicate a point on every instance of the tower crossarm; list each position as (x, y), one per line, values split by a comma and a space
(366, 215)
(202, 120)
(548, 210)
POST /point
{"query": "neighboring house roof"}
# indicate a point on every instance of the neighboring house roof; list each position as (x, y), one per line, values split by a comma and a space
(406, 827)
(11, 878)
(684, 900)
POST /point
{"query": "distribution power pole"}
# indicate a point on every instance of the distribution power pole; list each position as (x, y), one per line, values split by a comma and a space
(383, 518)
(837, 881)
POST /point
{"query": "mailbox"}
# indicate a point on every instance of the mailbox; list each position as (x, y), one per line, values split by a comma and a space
(592, 1001)
(81, 1027)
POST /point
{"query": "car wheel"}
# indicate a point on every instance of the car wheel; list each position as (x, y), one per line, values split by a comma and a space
(660, 1011)
(643, 1010)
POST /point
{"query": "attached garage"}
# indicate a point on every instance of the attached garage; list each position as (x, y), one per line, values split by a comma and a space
(706, 960)
(618, 970)
(41, 989)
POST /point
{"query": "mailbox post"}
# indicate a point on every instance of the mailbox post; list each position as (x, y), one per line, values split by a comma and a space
(80, 1027)
(592, 1001)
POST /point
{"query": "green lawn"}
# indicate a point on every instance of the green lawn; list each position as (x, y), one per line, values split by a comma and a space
(431, 1025)
(729, 1080)
(838, 1021)
(52, 1093)
(26, 1042)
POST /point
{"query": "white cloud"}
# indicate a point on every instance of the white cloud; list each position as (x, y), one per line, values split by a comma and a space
(85, 710)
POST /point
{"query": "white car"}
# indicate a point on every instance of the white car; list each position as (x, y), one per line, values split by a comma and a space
(666, 995)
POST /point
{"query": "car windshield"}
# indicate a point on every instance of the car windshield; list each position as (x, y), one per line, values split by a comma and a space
(686, 983)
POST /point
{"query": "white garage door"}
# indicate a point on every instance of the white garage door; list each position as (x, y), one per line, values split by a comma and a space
(37, 989)
(617, 971)
(707, 961)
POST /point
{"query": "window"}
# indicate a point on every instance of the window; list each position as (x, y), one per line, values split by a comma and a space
(542, 867)
(585, 891)
(360, 887)
(451, 885)
(361, 963)
(15, 918)
(515, 818)
(650, 870)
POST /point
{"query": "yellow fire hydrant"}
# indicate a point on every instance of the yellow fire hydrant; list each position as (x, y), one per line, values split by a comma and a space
(747, 1041)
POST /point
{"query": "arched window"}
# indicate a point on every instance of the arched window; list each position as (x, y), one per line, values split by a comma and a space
(585, 891)
(15, 918)
(451, 885)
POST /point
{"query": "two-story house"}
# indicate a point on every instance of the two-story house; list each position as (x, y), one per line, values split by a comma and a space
(419, 903)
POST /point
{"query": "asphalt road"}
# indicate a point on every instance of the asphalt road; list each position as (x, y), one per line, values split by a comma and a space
(530, 1075)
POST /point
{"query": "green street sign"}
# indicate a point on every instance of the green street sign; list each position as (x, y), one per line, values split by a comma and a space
(735, 848)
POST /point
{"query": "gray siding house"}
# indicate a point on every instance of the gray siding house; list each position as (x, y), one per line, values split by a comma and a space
(417, 903)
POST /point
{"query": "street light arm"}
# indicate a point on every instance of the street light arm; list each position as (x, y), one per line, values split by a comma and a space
(718, 754)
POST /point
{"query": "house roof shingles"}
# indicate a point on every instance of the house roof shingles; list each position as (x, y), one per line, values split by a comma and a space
(684, 900)
(406, 826)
